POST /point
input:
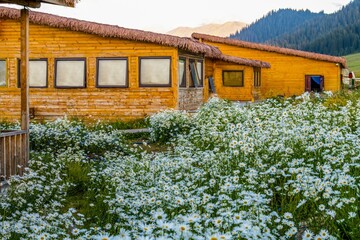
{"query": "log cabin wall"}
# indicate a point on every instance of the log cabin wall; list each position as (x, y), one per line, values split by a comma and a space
(215, 70)
(90, 102)
(286, 76)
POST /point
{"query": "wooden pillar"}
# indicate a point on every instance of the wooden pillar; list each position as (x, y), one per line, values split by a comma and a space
(24, 77)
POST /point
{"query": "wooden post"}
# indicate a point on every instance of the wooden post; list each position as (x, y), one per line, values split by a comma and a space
(24, 78)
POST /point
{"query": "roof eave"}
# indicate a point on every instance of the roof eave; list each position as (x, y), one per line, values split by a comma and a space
(66, 3)
(241, 61)
(269, 48)
(112, 31)
(37, 3)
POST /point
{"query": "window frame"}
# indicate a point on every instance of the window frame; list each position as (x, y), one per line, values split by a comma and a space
(182, 82)
(308, 87)
(97, 84)
(34, 60)
(56, 60)
(242, 79)
(6, 73)
(201, 74)
(257, 77)
(155, 58)
(199, 83)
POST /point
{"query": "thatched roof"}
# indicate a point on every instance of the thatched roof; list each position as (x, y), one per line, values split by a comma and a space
(242, 61)
(187, 44)
(263, 47)
(37, 3)
(112, 31)
(69, 3)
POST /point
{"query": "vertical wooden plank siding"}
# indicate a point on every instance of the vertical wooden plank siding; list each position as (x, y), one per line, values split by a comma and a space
(2, 156)
(13, 153)
(24, 152)
(8, 157)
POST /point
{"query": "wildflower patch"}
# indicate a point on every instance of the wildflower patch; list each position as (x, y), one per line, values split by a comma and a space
(280, 169)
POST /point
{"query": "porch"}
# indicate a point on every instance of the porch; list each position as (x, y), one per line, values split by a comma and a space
(13, 152)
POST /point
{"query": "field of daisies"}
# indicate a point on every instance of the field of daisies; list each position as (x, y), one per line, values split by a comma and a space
(279, 169)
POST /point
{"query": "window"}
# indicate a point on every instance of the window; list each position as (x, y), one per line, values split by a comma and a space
(155, 72)
(112, 72)
(182, 73)
(233, 78)
(38, 73)
(257, 77)
(199, 68)
(2, 73)
(190, 72)
(314, 83)
(196, 73)
(70, 73)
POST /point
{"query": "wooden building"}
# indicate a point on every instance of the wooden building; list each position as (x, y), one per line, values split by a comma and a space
(233, 80)
(96, 71)
(292, 72)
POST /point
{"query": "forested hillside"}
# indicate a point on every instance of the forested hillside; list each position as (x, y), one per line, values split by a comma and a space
(335, 34)
(274, 24)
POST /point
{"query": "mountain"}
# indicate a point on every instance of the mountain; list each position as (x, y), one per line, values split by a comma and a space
(222, 30)
(335, 34)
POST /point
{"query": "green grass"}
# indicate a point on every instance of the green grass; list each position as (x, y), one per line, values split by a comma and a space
(122, 125)
(353, 61)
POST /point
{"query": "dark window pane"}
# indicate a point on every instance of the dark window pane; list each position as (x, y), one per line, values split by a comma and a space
(195, 73)
(257, 77)
(233, 78)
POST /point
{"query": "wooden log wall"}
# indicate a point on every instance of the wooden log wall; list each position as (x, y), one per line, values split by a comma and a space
(89, 103)
(243, 93)
(286, 76)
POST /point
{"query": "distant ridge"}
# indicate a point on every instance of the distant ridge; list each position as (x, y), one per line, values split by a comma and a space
(336, 34)
(221, 30)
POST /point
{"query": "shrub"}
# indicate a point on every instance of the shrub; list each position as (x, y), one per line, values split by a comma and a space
(59, 135)
(167, 125)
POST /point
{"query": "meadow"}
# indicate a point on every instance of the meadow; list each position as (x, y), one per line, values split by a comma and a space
(353, 61)
(279, 169)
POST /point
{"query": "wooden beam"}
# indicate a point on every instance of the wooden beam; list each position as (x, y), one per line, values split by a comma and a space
(59, 2)
(24, 75)
(26, 3)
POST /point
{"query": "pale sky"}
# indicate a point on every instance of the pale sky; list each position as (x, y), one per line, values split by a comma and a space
(165, 15)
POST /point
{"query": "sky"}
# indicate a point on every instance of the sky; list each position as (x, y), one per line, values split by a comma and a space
(165, 15)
